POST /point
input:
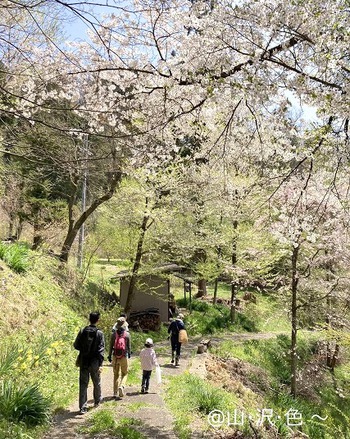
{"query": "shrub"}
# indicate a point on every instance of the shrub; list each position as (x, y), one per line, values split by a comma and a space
(15, 256)
(23, 404)
(200, 306)
(207, 398)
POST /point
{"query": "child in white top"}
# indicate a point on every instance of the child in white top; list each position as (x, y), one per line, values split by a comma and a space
(148, 361)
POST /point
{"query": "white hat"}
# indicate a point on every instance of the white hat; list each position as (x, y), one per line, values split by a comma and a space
(149, 341)
(121, 322)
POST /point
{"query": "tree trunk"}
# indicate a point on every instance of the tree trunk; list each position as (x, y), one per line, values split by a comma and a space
(335, 357)
(68, 242)
(328, 326)
(215, 294)
(329, 356)
(233, 303)
(37, 238)
(19, 229)
(233, 283)
(137, 263)
(293, 349)
(11, 227)
(74, 226)
(202, 288)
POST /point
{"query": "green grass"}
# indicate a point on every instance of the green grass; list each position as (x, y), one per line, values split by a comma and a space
(36, 356)
(191, 399)
(134, 372)
(268, 313)
(207, 319)
(272, 356)
(136, 406)
(264, 316)
(23, 404)
(48, 304)
(103, 421)
(16, 256)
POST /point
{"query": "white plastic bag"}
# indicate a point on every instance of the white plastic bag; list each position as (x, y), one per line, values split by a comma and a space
(158, 375)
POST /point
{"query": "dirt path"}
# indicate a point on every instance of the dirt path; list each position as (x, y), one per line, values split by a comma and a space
(156, 418)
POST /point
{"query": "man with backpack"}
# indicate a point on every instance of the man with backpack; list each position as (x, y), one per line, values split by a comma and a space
(120, 348)
(90, 344)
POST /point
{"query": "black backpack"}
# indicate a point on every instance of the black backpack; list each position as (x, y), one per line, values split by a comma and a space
(88, 342)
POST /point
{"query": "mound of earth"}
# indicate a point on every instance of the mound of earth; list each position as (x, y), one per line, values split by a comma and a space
(237, 376)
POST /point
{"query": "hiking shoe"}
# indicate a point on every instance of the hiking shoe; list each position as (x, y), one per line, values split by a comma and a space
(172, 361)
(121, 391)
(146, 391)
(83, 410)
(142, 390)
(98, 402)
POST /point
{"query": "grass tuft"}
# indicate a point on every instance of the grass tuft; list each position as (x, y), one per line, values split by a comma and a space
(103, 422)
(16, 256)
(23, 404)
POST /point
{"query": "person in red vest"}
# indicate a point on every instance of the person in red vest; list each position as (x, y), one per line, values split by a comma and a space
(119, 352)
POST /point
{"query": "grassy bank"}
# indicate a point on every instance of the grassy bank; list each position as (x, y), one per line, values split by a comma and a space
(40, 301)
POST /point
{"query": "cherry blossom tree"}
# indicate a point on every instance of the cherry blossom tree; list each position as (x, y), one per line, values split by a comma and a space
(310, 223)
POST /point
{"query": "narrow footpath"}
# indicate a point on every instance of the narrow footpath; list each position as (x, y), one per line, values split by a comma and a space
(157, 421)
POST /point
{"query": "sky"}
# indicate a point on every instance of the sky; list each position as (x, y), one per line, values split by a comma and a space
(75, 28)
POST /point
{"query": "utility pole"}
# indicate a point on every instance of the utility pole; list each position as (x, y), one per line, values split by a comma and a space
(83, 207)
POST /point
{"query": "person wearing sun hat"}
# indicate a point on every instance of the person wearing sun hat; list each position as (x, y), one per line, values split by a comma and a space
(121, 323)
(148, 361)
(119, 360)
(174, 329)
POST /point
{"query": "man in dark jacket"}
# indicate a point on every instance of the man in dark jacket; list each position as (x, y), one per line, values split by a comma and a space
(90, 344)
(173, 330)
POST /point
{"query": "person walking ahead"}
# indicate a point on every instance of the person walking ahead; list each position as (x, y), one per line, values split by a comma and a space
(148, 361)
(90, 344)
(173, 330)
(120, 348)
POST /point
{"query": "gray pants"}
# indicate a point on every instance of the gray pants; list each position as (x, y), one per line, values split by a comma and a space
(84, 376)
